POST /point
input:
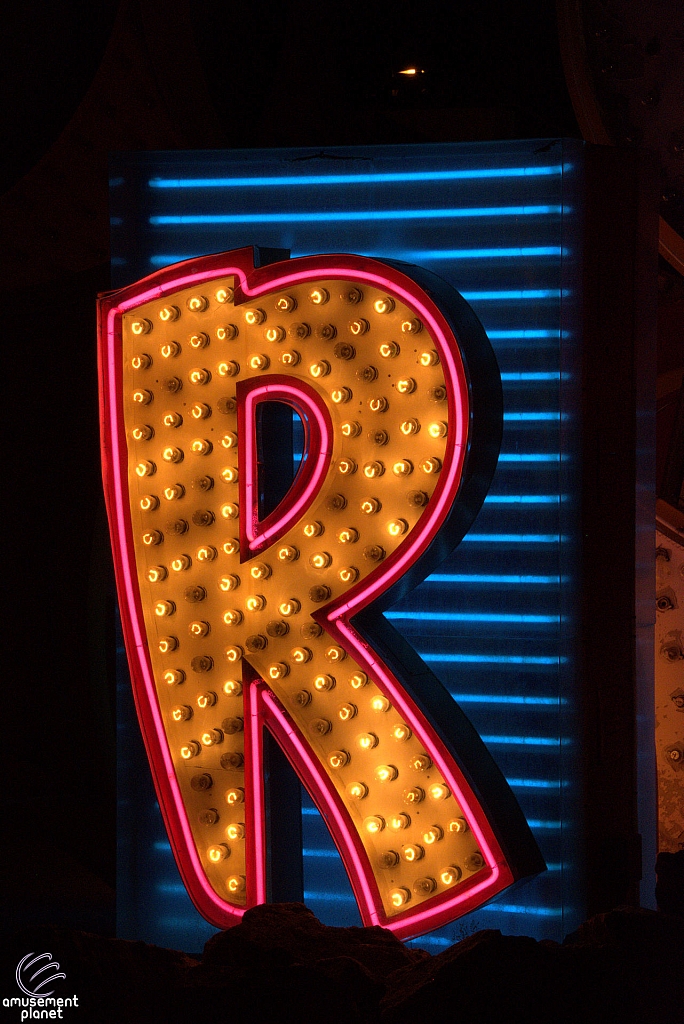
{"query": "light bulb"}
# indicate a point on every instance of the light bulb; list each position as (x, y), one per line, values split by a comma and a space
(401, 733)
(145, 468)
(474, 862)
(234, 653)
(142, 361)
(286, 303)
(374, 469)
(320, 560)
(167, 644)
(199, 340)
(181, 713)
(290, 358)
(172, 419)
(142, 432)
(168, 314)
(439, 791)
(319, 296)
(275, 334)
(397, 527)
(346, 712)
(424, 886)
(301, 655)
(141, 326)
(225, 294)
(232, 688)
(314, 529)
(378, 404)
(259, 361)
(399, 897)
(289, 553)
(181, 563)
(351, 429)
(190, 750)
(399, 821)
(404, 467)
(197, 303)
(218, 853)
(207, 699)
(230, 510)
(341, 395)
(156, 573)
(290, 607)
(199, 375)
(367, 740)
(450, 875)
(233, 617)
(384, 305)
(236, 884)
(231, 546)
(174, 677)
(199, 628)
(357, 790)
(324, 682)
(170, 349)
(369, 506)
(431, 466)
(389, 350)
(320, 369)
(347, 467)
(406, 386)
(228, 368)
(438, 429)
(358, 680)
(149, 502)
(229, 332)
(458, 825)
(386, 773)
(278, 670)
(206, 553)
(235, 831)
(433, 835)
(413, 326)
(349, 574)
(374, 824)
(380, 703)
(338, 758)
(412, 853)
(211, 737)
(235, 795)
(163, 608)
(254, 316)
(420, 762)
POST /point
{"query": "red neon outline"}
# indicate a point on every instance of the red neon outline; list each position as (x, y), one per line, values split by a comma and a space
(255, 534)
(260, 703)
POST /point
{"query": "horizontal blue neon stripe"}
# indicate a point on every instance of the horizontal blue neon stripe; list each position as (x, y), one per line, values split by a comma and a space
(528, 741)
(523, 334)
(491, 698)
(478, 254)
(513, 538)
(530, 376)
(495, 659)
(532, 457)
(530, 417)
(536, 823)
(356, 179)
(525, 499)
(510, 295)
(472, 617)
(482, 578)
(521, 908)
(328, 897)
(314, 216)
(537, 784)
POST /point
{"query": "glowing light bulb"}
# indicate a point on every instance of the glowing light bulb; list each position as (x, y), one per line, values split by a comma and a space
(351, 429)
(164, 608)
(348, 535)
(301, 655)
(433, 835)
(260, 571)
(259, 361)
(412, 853)
(319, 296)
(170, 349)
(255, 603)
(347, 467)
(168, 314)
(399, 821)
(228, 368)
(200, 340)
(174, 677)
(397, 527)
(289, 553)
(450, 875)
(145, 468)
(314, 529)
(230, 510)
(290, 607)
(338, 758)
(413, 795)
(458, 825)
(231, 546)
(401, 733)
(234, 653)
(229, 332)
(181, 713)
(286, 303)
(369, 506)
(197, 303)
(201, 446)
(320, 368)
(374, 824)
(404, 467)
(380, 703)
(171, 454)
(324, 682)
(359, 326)
(413, 326)
(142, 432)
(346, 712)
(367, 740)
(420, 762)
(200, 411)
(199, 375)
(199, 628)
(181, 562)
(399, 897)
(373, 470)
(439, 791)
(167, 644)
(218, 853)
(290, 358)
(206, 553)
(341, 395)
(235, 795)
(386, 773)
(172, 419)
(406, 386)
(278, 670)
(320, 560)
(357, 790)
(225, 294)
(156, 573)
(141, 326)
(379, 404)
(383, 305)
(143, 361)
(149, 502)
(206, 700)
(190, 750)
(358, 680)
(236, 884)
(335, 654)
(349, 574)
(275, 334)
(233, 617)
(438, 429)
(232, 688)
(235, 831)
(430, 466)
(212, 737)
(254, 317)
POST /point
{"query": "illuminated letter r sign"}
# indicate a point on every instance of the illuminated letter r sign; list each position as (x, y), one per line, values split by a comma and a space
(238, 618)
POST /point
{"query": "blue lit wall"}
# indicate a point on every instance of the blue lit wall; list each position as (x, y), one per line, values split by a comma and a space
(502, 223)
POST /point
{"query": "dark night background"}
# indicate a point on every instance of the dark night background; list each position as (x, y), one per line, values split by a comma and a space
(81, 79)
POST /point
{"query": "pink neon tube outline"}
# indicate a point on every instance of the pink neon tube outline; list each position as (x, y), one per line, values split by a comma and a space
(299, 398)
